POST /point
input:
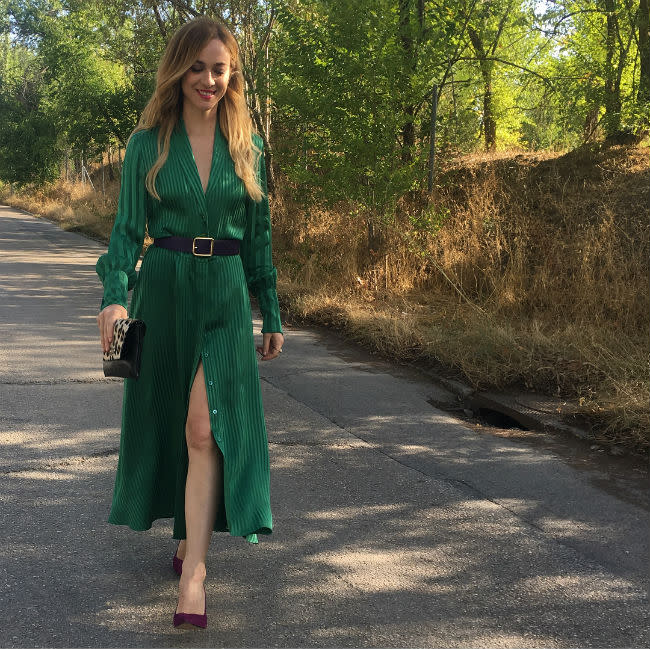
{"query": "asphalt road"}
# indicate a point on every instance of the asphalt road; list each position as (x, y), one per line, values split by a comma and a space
(395, 524)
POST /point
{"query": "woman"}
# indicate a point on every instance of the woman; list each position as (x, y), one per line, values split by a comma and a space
(193, 443)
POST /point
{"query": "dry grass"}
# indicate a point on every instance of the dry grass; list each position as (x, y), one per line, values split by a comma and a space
(72, 206)
(527, 269)
(524, 269)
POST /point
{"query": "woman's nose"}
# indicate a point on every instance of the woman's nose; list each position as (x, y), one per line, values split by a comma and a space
(209, 79)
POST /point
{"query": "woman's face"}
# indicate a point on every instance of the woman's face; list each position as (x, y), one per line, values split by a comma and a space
(205, 83)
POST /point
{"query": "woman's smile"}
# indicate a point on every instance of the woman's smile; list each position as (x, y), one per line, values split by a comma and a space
(206, 94)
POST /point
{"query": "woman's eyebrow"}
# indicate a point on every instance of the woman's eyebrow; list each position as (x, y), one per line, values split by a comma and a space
(218, 65)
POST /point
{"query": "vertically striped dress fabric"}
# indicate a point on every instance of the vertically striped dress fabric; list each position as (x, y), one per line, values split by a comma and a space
(195, 308)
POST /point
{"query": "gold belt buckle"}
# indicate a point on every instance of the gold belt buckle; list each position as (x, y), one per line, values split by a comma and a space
(202, 254)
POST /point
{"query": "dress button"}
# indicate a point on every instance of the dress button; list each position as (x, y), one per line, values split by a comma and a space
(210, 383)
(214, 412)
(205, 353)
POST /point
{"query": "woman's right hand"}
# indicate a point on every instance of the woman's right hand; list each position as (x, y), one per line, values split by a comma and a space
(106, 321)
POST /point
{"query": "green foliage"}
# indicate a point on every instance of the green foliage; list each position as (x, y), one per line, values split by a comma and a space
(581, 71)
(29, 147)
(345, 90)
(335, 64)
(348, 79)
(430, 220)
(91, 72)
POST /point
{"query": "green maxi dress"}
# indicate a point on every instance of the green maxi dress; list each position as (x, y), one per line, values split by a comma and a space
(195, 308)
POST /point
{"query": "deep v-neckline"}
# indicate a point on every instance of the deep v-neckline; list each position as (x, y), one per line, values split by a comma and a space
(204, 192)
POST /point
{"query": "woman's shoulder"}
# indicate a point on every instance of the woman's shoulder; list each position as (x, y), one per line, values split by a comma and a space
(143, 137)
(143, 146)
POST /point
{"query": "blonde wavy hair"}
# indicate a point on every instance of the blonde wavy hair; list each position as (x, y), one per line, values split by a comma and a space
(166, 104)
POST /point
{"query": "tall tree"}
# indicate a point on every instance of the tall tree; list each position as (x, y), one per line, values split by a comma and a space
(617, 47)
(485, 33)
(411, 33)
(644, 51)
(597, 61)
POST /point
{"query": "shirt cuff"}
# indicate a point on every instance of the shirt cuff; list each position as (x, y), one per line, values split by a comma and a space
(268, 302)
(116, 288)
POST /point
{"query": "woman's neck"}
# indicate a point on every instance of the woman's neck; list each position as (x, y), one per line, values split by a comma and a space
(199, 122)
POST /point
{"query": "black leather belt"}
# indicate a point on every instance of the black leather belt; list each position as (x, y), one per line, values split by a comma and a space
(199, 246)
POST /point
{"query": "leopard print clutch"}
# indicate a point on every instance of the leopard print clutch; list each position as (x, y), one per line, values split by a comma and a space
(124, 355)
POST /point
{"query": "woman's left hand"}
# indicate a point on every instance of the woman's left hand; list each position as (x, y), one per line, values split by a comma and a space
(271, 346)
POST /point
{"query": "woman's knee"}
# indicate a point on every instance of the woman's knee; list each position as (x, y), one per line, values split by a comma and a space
(199, 434)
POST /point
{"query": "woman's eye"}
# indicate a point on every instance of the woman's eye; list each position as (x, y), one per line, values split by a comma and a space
(218, 73)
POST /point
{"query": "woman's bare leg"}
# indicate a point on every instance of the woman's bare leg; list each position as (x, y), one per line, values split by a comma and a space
(201, 495)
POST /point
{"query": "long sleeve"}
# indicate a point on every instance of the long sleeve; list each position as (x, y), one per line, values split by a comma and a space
(257, 258)
(116, 268)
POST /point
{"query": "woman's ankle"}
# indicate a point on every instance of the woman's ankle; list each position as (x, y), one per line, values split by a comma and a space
(195, 573)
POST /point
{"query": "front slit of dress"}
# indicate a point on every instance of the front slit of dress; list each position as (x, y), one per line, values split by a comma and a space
(213, 411)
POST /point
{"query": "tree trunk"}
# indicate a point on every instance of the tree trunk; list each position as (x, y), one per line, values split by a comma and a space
(268, 152)
(408, 50)
(267, 78)
(111, 173)
(489, 123)
(253, 52)
(160, 22)
(408, 134)
(612, 117)
(644, 51)
(591, 124)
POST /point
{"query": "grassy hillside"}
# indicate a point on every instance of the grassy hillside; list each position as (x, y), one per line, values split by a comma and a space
(527, 269)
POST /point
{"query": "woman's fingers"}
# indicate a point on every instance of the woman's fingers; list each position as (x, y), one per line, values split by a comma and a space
(264, 352)
(101, 332)
(106, 321)
(101, 321)
(109, 323)
(269, 355)
(271, 346)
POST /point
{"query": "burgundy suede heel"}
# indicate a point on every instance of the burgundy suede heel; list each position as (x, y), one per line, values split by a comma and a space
(188, 620)
(177, 563)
